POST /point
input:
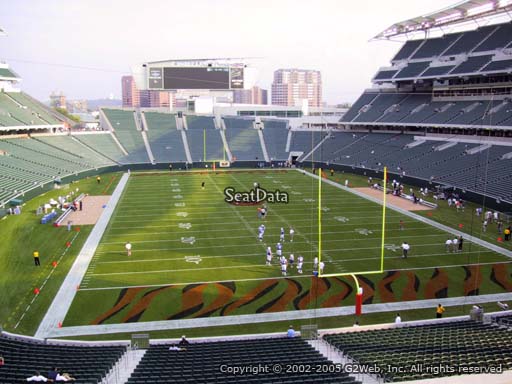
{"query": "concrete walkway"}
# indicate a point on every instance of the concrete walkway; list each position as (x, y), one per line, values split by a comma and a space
(422, 219)
(268, 317)
(62, 301)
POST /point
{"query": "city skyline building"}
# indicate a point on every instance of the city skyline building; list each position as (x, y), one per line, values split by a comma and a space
(291, 86)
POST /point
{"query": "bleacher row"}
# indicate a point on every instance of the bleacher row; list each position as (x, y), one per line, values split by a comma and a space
(204, 139)
(416, 109)
(29, 162)
(202, 362)
(483, 171)
(88, 364)
(395, 353)
(428, 351)
(211, 362)
(19, 109)
(486, 50)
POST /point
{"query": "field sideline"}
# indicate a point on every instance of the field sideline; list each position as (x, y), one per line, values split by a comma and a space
(195, 255)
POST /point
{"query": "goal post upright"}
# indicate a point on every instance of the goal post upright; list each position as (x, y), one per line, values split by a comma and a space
(383, 234)
(319, 219)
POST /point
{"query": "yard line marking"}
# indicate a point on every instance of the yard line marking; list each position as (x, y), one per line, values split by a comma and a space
(202, 282)
(249, 237)
(197, 203)
(202, 214)
(398, 256)
(259, 254)
(270, 225)
(262, 266)
(246, 224)
(265, 278)
(223, 222)
(202, 210)
(186, 225)
(242, 245)
(179, 258)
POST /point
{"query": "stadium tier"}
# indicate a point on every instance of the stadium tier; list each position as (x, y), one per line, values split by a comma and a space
(87, 364)
(164, 139)
(390, 108)
(125, 129)
(362, 149)
(27, 163)
(13, 114)
(75, 149)
(199, 122)
(204, 141)
(275, 134)
(306, 141)
(482, 51)
(204, 362)
(454, 344)
(38, 109)
(6, 72)
(38, 153)
(19, 109)
(243, 139)
(452, 163)
(104, 144)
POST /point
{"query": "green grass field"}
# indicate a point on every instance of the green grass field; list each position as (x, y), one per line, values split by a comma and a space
(194, 255)
(20, 310)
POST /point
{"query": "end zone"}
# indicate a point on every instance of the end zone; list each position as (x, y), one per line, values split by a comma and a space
(395, 201)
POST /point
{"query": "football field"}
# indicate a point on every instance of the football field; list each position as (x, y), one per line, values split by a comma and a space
(183, 235)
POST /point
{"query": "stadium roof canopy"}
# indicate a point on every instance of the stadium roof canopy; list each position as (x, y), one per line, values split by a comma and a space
(465, 11)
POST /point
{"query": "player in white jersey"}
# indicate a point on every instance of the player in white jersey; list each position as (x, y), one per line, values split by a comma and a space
(291, 260)
(292, 232)
(261, 232)
(322, 266)
(300, 261)
(455, 244)
(281, 236)
(448, 245)
(284, 264)
(315, 263)
(269, 256)
(279, 249)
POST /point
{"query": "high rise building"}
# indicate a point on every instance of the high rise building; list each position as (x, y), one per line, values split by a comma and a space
(159, 99)
(130, 93)
(255, 95)
(58, 100)
(133, 97)
(291, 86)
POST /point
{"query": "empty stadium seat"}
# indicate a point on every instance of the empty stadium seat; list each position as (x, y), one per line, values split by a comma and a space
(455, 344)
(88, 364)
(201, 363)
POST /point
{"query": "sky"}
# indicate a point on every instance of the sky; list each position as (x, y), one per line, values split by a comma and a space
(83, 47)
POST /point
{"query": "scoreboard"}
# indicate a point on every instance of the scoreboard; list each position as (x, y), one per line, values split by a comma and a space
(207, 78)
